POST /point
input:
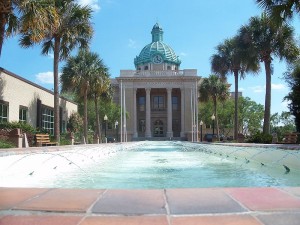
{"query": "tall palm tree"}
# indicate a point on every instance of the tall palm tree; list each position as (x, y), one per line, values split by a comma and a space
(100, 87)
(60, 35)
(78, 75)
(216, 90)
(268, 40)
(232, 57)
(280, 10)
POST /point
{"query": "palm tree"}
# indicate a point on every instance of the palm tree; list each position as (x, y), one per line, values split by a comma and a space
(79, 75)
(61, 34)
(100, 87)
(232, 57)
(216, 90)
(267, 41)
(14, 16)
(280, 10)
(6, 17)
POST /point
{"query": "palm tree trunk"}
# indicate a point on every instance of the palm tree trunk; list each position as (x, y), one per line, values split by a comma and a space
(56, 89)
(97, 117)
(236, 99)
(267, 114)
(85, 119)
(216, 118)
(2, 30)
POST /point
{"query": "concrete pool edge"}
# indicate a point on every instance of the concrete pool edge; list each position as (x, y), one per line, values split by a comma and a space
(262, 205)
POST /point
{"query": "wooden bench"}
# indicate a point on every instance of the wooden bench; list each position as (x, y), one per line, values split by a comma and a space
(44, 140)
(290, 138)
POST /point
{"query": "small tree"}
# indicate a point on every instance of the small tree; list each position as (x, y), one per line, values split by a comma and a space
(213, 88)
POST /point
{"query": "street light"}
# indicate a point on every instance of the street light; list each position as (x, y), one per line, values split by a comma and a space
(213, 119)
(201, 124)
(116, 126)
(105, 119)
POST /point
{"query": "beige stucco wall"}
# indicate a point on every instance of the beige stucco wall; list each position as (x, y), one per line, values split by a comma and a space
(20, 92)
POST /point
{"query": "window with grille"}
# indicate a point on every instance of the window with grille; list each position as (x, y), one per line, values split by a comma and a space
(48, 120)
(23, 111)
(142, 103)
(175, 103)
(158, 102)
(3, 111)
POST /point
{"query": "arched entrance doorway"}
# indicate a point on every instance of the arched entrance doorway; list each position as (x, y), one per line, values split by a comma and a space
(158, 129)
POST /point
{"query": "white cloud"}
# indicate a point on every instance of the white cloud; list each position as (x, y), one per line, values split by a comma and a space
(257, 89)
(241, 89)
(278, 87)
(44, 77)
(131, 43)
(92, 3)
(51, 56)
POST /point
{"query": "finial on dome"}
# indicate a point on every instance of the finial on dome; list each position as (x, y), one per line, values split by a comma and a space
(157, 33)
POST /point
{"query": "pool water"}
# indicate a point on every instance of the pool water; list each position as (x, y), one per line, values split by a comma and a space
(149, 165)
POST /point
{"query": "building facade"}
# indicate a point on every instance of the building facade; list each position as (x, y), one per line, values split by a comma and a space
(160, 99)
(25, 101)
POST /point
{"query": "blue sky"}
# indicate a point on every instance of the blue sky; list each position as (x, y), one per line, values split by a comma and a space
(193, 28)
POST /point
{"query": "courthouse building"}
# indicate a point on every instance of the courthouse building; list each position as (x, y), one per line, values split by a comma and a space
(159, 97)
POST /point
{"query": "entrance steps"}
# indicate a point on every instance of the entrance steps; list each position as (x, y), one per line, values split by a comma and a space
(159, 139)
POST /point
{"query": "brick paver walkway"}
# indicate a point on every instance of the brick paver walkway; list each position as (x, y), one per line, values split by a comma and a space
(207, 206)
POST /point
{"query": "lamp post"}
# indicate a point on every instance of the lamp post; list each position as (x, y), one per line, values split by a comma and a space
(201, 124)
(213, 119)
(116, 126)
(105, 119)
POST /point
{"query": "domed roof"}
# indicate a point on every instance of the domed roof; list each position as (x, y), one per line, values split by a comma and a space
(157, 47)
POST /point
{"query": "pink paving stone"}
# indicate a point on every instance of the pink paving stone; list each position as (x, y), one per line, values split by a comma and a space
(265, 198)
(40, 220)
(200, 201)
(131, 202)
(66, 200)
(215, 220)
(125, 220)
(9, 197)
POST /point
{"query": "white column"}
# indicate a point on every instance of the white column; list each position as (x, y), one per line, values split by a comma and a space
(182, 102)
(197, 110)
(148, 113)
(169, 130)
(135, 134)
(121, 124)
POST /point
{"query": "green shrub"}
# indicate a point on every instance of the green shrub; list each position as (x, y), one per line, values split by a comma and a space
(6, 144)
(260, 138)
(26, 128)
(65, 139)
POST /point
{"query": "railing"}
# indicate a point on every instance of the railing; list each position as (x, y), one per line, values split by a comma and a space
(158, 73)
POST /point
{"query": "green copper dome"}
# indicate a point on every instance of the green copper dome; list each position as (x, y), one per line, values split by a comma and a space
(157, 48)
